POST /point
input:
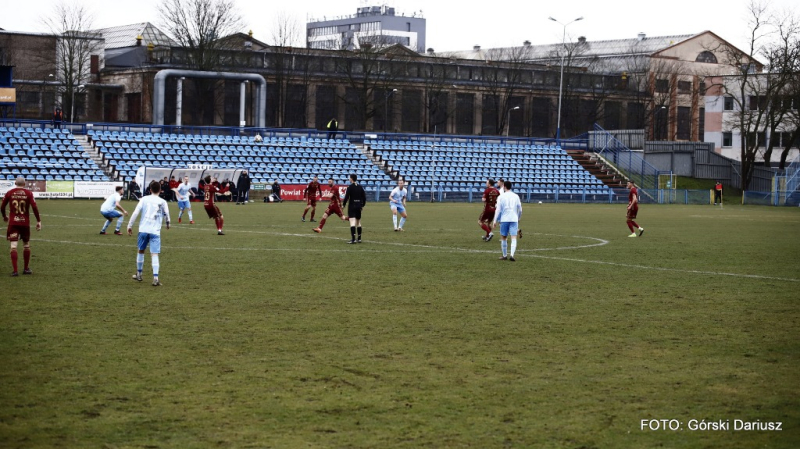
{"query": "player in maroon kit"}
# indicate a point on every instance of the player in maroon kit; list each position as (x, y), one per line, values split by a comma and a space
(310, 194)
(20, 201)
(633, 209)
(334, 208)
(212, 210)
(489, 202)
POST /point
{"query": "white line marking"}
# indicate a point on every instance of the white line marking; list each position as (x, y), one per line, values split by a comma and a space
(441, 249)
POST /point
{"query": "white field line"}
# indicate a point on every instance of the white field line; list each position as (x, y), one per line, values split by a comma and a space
(440, 249)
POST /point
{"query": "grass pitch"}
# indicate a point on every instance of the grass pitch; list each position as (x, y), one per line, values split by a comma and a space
(273, 336)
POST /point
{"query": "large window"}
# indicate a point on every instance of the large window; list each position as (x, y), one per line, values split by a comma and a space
(662, 86)
(611, 114)
(412, 105)
(465, 113)
(684, 123)
(684, 87)
(540, 117)
(707, 57)
(701, 125)
(727, 104)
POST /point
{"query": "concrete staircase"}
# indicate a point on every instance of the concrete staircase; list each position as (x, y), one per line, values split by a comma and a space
(98, 158)
(378, 161)
(594, 165)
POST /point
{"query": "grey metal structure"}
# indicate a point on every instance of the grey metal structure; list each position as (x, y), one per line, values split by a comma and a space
(160, 82)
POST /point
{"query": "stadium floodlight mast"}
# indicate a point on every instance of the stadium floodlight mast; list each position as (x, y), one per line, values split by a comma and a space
(72, 112)
(508, 120)
(388, 94)
(561, 83)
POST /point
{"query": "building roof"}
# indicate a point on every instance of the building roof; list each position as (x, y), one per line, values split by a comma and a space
(125, 35)
(589, 49)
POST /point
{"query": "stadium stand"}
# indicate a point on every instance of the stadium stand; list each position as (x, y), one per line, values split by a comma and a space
(290, 160)
(44, 154)
(465, 166)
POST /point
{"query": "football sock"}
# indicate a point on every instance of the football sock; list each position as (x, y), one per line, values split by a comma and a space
(105, 225)
(486, 228)
(359, 232)
(313, 211)
(513, 247)
(190, 215)
(305, 212)
(139, 262)
(634, 225)
(120, 220)
(155, 264)
(630, 226)
(14, 259)
(504, 247)
(180, 214)
(322, 223)
(353, 232)
(221, 222)
(394, 221)
(402, 221)
(26, 256)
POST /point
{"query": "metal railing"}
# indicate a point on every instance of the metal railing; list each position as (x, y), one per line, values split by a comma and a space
(628, 162)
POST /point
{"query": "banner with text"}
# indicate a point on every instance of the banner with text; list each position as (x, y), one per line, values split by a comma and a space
(58, 189)
(294, 192)
(86, 189)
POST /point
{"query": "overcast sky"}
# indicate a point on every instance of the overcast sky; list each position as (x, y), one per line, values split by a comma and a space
(457, 25)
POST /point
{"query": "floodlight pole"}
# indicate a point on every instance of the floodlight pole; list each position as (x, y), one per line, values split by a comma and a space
(179, 103)
(72, 112)
(561, 82)
(508, 119)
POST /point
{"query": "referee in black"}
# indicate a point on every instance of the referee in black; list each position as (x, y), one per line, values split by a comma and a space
(357, 198)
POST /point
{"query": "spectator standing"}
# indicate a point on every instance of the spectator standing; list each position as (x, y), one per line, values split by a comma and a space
(718, 193)
(333, 126)
(58, 117)
(243, 188)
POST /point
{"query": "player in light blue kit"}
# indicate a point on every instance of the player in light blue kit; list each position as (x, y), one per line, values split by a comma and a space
(507, 213)
(112, 209)
(397, 201)
(184, 192)
(154, 210)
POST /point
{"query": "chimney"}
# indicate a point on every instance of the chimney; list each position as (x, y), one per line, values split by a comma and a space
(430, 52)
(139, 40)
(476, 48)
(582, 39)
(640, 37)
(526, 43)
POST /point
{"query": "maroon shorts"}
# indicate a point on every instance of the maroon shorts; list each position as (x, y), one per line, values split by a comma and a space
(486, 215)
(213, 211)
(632, 213)
(333, 210)
(16, 233)
(312, 202)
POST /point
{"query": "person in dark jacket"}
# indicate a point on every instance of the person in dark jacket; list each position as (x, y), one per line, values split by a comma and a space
(243, 188)
(58, 117)
(333, 126)
(276, 190)
(134, 193)
(357, 198)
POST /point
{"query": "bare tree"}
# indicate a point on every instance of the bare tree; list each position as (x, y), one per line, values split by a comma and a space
(749, 90)
(75, 45)
(369, 80)
(281, 58)
(198, 27)
(503, 80)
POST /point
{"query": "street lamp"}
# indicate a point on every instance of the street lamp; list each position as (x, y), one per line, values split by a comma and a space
(72, 112)
(508, 119)
(561, 82)
(388, 94)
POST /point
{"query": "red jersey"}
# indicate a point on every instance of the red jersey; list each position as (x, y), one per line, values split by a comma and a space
(312, 190)
(20, 201)
(490, 196)
(335, 201)
(210, 191)
(634, 193)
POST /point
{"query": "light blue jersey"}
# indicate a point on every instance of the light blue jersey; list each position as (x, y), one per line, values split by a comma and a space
(397, 196)
(154, 210)
(183, 192)
(110, 203)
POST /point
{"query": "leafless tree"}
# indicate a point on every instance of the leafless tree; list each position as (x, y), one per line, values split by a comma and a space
(503, 78)
(75, 45)
(750, 90)
(198, 27)
(284, 64)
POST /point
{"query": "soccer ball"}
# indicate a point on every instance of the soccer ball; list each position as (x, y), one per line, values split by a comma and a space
(540, 202)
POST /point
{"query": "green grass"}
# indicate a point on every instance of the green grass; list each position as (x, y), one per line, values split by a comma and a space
(732, 195)
(273, 336)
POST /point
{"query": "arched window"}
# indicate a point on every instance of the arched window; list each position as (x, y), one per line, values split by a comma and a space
(706, 57)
